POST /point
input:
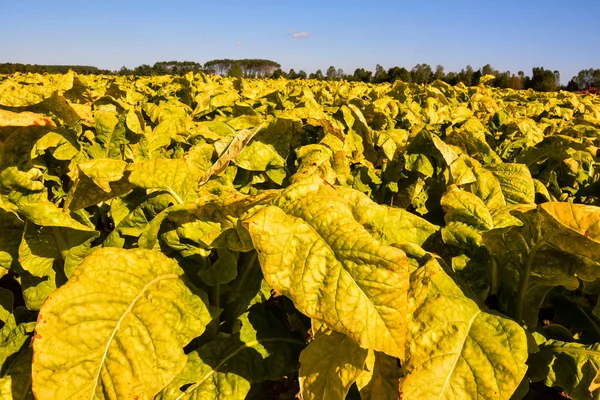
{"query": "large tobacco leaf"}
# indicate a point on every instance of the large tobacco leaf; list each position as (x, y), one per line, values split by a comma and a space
(312, 249)
(573, 367)
(101, 332)
(330, 365)
(556, 245)
(454, 348)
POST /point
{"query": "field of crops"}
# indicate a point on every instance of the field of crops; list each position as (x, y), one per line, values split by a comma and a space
(199, 237)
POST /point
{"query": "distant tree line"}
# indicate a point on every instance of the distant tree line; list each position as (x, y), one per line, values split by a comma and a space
(250, 68)
(541, 79)
(585, 79)
(11, 68)
(163, 68)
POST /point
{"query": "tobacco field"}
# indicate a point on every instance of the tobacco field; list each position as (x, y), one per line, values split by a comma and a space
(199, 237)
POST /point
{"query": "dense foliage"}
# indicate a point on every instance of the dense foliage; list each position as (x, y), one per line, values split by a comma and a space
(543, 80)
(199, 237)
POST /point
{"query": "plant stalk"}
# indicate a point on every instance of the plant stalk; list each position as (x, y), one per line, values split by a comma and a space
(524, 279)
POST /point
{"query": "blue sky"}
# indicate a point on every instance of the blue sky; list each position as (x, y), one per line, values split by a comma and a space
(510, 35)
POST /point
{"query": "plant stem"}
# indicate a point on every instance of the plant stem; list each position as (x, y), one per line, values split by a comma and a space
(174, 195)
(215, 301)
(247, 272)
(524, 279)
(494, 283)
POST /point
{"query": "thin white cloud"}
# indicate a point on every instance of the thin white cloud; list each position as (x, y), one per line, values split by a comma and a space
(238, 43)
(300, 35)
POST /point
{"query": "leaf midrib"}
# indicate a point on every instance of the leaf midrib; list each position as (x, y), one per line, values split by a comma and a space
(120, 321)
(459, 353)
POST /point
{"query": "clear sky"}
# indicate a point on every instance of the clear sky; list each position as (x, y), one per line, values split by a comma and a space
(306, 34)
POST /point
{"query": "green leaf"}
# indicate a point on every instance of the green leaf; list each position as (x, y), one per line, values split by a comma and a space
(329, 366)
(12, 230)
(461, 206)
(487, 188)
(314, 159)
(97, 181)
(313, 250)
(550, 249)
(41, 245)
(222, 271)
(575, 227)
(380, 380)
(13, 179)
(231, 150)
(573, 367)
(26, 118)
(110, 133)
(18, 134)
(42, 212)
(224, 368)
(119, 349)
(63, 147)
(454, 349)
(19, 372)
(461, 235)
(174, 176)
(516, 183)
(49, 235)
(390, 225)
(13, 337)
(14, 94)
(269, 148)
(420, 163)
(217, 220)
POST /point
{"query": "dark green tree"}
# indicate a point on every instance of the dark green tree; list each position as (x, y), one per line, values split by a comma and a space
(451, 78)
(488, 70)
(331, 73)
(399, 74)
(317, 75)
(143, 70)
(543, 80)
(421, 73)
(466, 76)
(572, 86)
(439, 73)
(279, 73)
(125, 71)
(361, 75)
(380, 75)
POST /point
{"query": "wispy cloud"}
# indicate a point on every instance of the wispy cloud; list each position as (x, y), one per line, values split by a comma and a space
(238, 43)
(300, 35)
